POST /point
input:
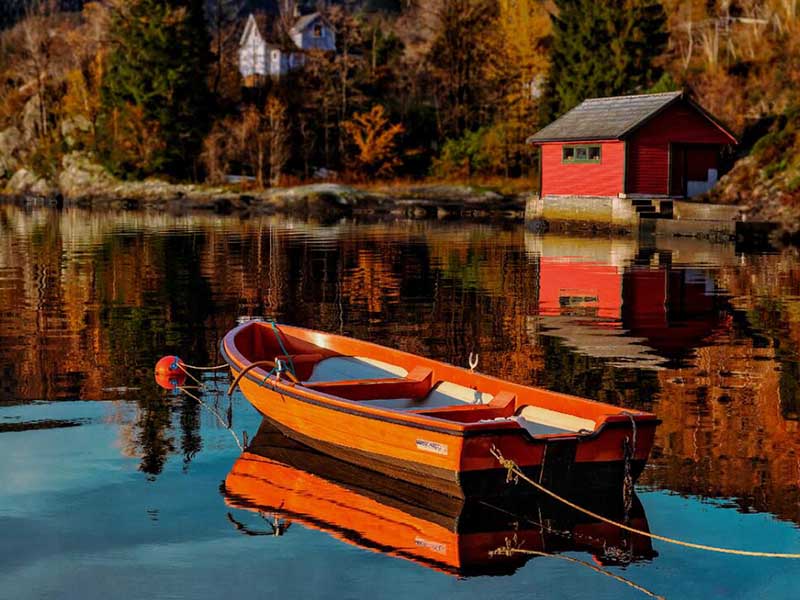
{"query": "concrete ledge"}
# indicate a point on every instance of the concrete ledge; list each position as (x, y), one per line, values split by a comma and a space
(705, 212)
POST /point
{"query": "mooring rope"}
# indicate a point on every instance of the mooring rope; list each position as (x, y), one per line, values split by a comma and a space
(629, 452)
(200, 388)
(509, 549)
(261, 363)
(217, 415)
(277, 333)
(515, 473)
(183, 368)
(214, 368)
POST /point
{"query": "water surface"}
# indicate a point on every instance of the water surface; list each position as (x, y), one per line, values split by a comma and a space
(113, 487)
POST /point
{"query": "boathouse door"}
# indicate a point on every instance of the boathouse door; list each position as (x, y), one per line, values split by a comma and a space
(678, 168)
(693, 168)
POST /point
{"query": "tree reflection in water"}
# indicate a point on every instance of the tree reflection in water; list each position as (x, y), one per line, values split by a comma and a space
(702, 335)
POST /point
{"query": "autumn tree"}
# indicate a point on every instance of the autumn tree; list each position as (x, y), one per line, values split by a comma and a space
(255, 141)
(81, 105)
(222, 18)
(319, 109)
(457, 56)
(347, 61)
(44, 56)
(375, 140)
(330, 90)
(604, 49)
(156, 73)
(277, 127)
(517, 70)
(40, 56)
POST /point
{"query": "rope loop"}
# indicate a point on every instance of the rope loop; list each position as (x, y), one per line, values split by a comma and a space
(511, 467)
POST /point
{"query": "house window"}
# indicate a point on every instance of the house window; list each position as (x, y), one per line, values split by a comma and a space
(317, 31)
(580, 154)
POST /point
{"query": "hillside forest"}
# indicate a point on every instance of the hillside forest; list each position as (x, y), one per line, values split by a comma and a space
(443, 89)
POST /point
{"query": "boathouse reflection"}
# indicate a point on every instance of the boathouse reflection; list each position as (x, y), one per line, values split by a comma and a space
(711, 349)
(632, 305)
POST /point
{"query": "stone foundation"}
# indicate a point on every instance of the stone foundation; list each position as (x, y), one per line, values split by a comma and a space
(614, 214)
(598, 212)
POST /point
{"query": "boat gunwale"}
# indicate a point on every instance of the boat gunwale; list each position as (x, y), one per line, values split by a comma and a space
(237, 361)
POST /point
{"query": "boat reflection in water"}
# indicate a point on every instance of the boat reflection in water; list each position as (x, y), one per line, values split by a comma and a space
(288, 483)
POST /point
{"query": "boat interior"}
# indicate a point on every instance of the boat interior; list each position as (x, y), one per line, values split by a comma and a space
(401, 386)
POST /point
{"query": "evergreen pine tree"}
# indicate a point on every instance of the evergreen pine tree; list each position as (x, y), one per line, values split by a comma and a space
(155, 92)
(603, 49)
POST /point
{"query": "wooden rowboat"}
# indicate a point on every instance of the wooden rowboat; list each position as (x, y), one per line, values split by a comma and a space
(428, 422)
(289, 484)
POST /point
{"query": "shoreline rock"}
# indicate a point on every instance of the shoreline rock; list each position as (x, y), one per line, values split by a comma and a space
(25, 182)
(83, 183)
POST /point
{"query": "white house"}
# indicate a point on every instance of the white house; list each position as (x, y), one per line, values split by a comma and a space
(261, 57)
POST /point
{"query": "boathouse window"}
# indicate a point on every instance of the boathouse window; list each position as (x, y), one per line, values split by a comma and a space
(580, 154)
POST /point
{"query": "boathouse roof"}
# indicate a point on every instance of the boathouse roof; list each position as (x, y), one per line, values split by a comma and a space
(610, 118)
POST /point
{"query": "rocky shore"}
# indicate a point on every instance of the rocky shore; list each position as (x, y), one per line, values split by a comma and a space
(764, 196)
(83, 183)
(766, 182)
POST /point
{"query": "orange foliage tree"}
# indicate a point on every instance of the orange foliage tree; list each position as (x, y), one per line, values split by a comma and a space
(255, 142)
(134, 140)
(375, 140)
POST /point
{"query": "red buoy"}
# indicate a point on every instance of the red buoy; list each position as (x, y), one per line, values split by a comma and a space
(169, 373)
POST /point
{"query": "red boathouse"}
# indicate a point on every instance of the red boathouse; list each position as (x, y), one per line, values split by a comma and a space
(652, 145)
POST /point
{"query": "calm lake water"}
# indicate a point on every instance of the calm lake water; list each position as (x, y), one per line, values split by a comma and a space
(113, 488)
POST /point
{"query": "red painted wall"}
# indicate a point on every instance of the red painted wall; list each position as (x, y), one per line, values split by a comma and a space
(583, 179)
(648, 148)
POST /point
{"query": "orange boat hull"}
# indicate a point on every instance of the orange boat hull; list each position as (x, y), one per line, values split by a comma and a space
(447, 449)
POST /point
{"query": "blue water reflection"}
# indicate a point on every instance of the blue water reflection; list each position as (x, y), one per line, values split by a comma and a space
(79, 520)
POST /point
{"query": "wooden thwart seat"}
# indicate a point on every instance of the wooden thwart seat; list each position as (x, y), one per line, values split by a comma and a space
(442, 395)
(503, 407)
(350, 368)
(416, 384)
(500, 406)
(554, 420)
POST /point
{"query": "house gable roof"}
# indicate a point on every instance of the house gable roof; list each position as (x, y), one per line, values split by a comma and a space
(269, 30)
(305, 21)
(251, 28)
(613, 118)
